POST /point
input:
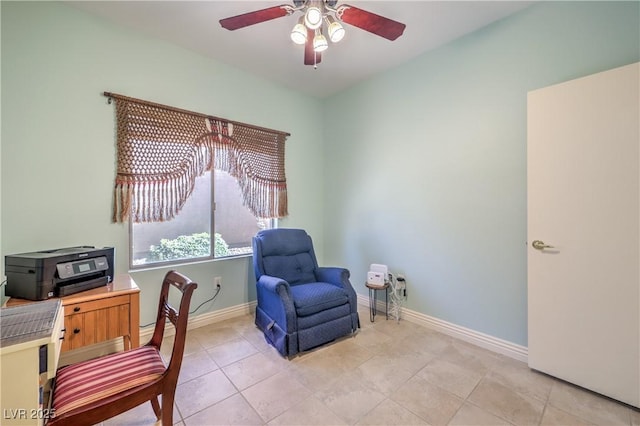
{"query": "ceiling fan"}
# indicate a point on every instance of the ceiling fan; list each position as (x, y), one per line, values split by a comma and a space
(319, 17)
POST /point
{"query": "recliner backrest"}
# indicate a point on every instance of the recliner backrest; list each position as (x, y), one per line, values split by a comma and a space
(285, 253)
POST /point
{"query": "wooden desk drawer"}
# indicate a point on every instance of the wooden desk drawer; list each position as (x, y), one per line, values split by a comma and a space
(82, 307)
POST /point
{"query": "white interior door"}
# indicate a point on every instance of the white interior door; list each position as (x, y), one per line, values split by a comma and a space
(583, 186)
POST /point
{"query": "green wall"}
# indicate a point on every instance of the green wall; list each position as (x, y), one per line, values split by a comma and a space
(1, 262)
(422, 168)
(427, 162)
(58, 143)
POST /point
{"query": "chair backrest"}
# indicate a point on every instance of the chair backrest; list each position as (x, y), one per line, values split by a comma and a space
(178, 318)
(284, 253)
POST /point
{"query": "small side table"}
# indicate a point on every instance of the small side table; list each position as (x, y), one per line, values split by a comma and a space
(373, 299)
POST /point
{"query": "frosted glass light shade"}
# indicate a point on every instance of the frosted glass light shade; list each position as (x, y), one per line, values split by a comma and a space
(313, 18)
(320, 43)
(336, 31)
(299, 34)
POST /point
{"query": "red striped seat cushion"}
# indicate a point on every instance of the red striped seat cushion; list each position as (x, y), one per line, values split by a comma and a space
(89, 381)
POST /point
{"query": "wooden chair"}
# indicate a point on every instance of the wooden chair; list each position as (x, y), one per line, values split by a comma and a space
(92, 391)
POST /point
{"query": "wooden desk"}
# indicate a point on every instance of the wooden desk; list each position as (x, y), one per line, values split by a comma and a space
(100, 314)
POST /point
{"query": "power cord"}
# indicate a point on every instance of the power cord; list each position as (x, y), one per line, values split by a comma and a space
(398, 292)
(218, 288)
(212, 298)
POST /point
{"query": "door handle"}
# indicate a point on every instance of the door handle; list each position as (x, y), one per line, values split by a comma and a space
(540, 245)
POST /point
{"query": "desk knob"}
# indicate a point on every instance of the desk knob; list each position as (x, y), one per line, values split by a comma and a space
(76, 330)
(76, 309)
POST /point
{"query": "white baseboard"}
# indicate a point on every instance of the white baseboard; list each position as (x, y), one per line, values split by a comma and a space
(477, 338)
(214, 317)
(115, 345)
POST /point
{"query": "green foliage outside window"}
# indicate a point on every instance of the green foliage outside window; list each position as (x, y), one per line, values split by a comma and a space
(188, 246)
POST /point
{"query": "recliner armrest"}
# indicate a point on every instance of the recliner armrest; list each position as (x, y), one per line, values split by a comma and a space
(338, 277)
(274, 297)
(333, 275)
(273, 284)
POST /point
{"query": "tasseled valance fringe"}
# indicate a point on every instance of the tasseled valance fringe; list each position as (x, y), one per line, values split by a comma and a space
(161, 151)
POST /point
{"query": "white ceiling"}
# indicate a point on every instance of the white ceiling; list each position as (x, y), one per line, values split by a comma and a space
(265, 49)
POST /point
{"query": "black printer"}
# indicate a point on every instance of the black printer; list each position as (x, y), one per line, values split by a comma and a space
(59, 272)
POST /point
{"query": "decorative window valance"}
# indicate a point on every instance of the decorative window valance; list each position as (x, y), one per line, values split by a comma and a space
(161, 150)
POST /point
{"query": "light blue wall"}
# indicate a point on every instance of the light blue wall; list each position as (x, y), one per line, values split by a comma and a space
(58, 143)
(426, 164)
(1, 262)
(421, 168)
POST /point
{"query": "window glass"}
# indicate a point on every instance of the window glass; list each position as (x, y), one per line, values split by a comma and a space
(188, 236)
(235, 225)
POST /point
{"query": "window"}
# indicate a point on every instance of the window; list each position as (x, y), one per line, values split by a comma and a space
(169, 164)
(188, 236)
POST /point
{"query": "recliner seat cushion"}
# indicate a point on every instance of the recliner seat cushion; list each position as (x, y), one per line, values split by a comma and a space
(323, 317)
(312, 298)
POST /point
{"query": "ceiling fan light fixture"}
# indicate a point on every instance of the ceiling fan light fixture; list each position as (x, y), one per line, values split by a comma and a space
(299, 33)
(336, 31)
(313, 17)
(319, 17)
(320, 43)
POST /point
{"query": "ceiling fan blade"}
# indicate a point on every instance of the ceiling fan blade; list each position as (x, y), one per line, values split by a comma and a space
(251, 18)
(368, 21)
(311, 57)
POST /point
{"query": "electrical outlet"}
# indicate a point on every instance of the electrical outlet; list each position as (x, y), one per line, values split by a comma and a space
(218, 281)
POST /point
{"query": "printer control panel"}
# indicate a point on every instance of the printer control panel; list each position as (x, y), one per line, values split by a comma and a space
(81, 267)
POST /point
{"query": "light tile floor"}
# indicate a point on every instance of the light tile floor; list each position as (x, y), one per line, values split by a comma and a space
(389, 373)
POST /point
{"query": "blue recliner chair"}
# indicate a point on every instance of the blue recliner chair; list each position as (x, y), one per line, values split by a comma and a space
(300, 305)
